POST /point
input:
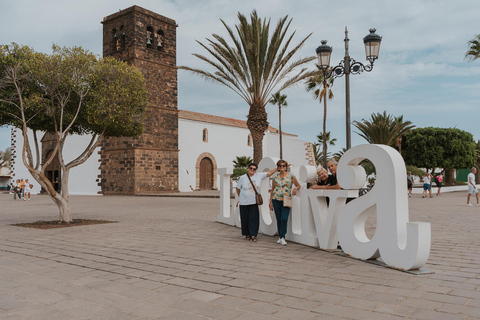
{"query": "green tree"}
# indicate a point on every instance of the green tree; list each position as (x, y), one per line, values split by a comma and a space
(280, 100)
(446, 148)
(257, 64)
(240, 165)
(68, 91)
(5, 158)
(473, 52)
(321, 88)
(383, 128)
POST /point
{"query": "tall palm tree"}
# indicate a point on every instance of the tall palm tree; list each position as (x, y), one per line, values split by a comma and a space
(473, 52)
(257, 64)
(280, 100)
(383, 128)
(322, 89)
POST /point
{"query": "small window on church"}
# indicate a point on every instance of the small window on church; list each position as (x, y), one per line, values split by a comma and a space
(150, 35)
(115, 39)
(205, 135)
(122, 38)
(249, 140)
(160, 40)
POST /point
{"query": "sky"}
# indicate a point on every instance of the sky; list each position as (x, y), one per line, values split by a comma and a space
(421, 72)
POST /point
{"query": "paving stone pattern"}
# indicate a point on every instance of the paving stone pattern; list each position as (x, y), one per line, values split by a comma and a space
(167, 258)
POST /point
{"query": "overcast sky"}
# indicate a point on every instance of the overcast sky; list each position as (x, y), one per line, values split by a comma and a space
(421, 72)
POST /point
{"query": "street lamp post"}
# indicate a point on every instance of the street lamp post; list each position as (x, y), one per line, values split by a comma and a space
(349, 66)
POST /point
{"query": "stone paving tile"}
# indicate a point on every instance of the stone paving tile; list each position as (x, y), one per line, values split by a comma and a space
(220, 312)
(294, 314)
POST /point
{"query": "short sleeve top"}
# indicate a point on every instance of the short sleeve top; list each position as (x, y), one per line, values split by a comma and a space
(283, 186)
(247, 194)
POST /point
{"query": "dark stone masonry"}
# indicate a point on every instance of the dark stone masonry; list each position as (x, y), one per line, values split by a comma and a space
(147, 164)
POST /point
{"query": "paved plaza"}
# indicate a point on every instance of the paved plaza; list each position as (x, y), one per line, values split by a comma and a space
(167, 258)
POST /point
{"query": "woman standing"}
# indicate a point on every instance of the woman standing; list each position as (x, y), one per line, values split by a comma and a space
(247, 186)
(282, 186)
(439, 183)
(427, 185)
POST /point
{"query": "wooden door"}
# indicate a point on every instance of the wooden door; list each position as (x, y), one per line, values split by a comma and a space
(206, 174)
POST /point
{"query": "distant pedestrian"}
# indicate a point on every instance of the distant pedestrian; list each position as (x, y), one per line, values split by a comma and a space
(28, 189)
(247, 187)
(22, 188)
(410, 181)
(17, 190)
(439, 182)
(472, 187)
(427, 185)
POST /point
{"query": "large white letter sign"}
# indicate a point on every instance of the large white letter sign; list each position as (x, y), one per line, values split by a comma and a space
(400, 243)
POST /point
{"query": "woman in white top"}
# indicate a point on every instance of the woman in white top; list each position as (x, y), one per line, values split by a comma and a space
(427, 185)
(249, 213)
(27, 190)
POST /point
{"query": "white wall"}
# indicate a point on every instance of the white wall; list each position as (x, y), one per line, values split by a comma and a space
(82, 179)
(293, 149)
(224, 143)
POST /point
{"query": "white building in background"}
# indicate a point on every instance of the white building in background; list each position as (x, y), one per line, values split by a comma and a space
(206, 143)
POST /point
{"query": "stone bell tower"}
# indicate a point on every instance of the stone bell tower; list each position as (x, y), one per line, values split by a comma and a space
(147, 164)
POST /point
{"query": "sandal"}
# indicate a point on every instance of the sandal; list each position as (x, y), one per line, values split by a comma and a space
(247, 237)
(254, 239)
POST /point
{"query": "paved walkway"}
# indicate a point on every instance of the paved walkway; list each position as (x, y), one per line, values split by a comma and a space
(166, 258)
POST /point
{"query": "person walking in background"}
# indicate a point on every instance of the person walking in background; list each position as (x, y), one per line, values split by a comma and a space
(427, 185)
(439, 182)
(410, 182)
(28, 189)
(247, 187)
(472, 187)
(22, 189)
(17, 190)
(283, 182)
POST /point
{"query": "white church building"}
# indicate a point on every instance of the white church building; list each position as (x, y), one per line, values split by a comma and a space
(204, 140)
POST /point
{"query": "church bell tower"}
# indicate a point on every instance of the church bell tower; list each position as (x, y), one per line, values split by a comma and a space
(148, 164)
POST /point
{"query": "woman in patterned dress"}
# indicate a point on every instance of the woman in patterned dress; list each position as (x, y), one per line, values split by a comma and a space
(283, 182)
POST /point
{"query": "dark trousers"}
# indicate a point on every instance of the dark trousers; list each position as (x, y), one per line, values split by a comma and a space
(250, 218)
(281, 213)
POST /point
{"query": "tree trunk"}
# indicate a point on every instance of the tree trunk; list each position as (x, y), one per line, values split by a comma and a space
(257, 123)
(280, 128)
(325, 124)
(449, 176)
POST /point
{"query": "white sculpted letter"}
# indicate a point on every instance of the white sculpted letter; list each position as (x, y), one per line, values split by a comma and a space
(400, 243)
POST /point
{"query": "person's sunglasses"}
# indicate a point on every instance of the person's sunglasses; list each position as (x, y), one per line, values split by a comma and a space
(281, 165)
(253, 168)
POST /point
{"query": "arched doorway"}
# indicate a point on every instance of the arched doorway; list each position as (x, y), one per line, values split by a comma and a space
(52, 172)
(206, 174)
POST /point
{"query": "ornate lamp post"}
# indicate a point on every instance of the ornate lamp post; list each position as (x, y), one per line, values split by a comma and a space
(349, 66)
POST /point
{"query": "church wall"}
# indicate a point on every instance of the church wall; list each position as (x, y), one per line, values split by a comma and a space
(224, 144)
(294, 151)
(83, 178)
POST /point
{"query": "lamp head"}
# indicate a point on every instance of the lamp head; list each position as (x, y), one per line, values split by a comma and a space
(372, 45)
(324, 53)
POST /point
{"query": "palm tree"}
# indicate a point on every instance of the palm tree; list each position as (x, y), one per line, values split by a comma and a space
(322, 89)
(256, 65)
(473, 52)
(318, 154)
(330, 141)
(281, 101)
(240, 165)
(383, 128)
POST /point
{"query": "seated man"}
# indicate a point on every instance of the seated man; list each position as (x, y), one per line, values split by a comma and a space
(332, 182)
(322, 177)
